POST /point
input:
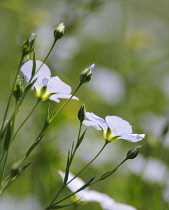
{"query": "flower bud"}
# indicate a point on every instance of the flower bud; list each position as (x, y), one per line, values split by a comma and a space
(86, 75)
(14, 171)
(59, 31)
(17, 91)
(133, 152)
(29, 44)
(81, 113)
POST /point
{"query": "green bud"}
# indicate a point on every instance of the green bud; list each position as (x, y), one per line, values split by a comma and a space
(59, 31)
(17, 91)
(133, 152)
(81, 113)
(29, 44)
(86, 75)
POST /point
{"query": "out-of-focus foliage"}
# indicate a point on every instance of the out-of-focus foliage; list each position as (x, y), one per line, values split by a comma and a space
(128, 41)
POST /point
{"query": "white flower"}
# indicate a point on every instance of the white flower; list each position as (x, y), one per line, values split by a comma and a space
(87, 195)
(113, 128)
(45, 86)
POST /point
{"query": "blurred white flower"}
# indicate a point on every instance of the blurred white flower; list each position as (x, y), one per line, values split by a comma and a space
(13, 203)
(113, 128)
(114, 90)
(46, 87)
(87, 195)
(152, 170)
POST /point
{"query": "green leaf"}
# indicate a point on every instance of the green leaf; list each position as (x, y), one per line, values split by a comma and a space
(104, 176)
(85, 185)
(34, 65)
(7, 137)
(63, 206)
(80, 139)
(31, 148)
(67, 168)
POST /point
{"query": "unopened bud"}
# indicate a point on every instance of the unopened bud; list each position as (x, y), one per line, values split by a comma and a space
(81, 113)
(86, 75)
(29, 44)
(133, 152)
(17, 91)
(15, 169)
(59, 31)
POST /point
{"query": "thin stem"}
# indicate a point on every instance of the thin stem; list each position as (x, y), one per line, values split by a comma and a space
(74, 178)
(111, 172)
(66, 102)
(9, 100)
(47, 54)
(25, 120)
(88, 163)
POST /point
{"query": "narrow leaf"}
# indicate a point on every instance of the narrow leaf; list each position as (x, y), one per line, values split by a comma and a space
(79, 141)
(85, 185)
(34, 65)
(105, 175)
(63, 206)
(67, 168)
(31, 148)
(7, 137)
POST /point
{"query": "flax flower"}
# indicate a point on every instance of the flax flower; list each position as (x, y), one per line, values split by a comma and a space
(45, 86)
(113, 128)
(86, 195)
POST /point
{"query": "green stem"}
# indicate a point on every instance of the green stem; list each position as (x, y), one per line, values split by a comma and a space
(5, 153)
(111, 172)
(9, 100)
(66, 102)
(74, 178)
(88, 163)
(64, 185)
(73, 154)
(25, 120)
(47, 54)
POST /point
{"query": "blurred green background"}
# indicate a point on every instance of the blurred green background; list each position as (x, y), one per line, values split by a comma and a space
(129, 43)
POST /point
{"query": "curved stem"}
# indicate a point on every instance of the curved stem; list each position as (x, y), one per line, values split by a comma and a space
(47, 54)
(66, 102)
(111, 172)
(25, 120)
(88, 163)
(9, 100)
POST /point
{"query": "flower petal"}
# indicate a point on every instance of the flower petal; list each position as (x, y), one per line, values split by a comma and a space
(118, 126)
(98, 120)
(92, 124)
(42, 73)
(56, 97)
(132, 137)
(115, 206)
(55, 85)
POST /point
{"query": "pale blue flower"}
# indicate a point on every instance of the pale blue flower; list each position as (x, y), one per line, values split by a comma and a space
(45, 86)
(113, 128)
(86, 195)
